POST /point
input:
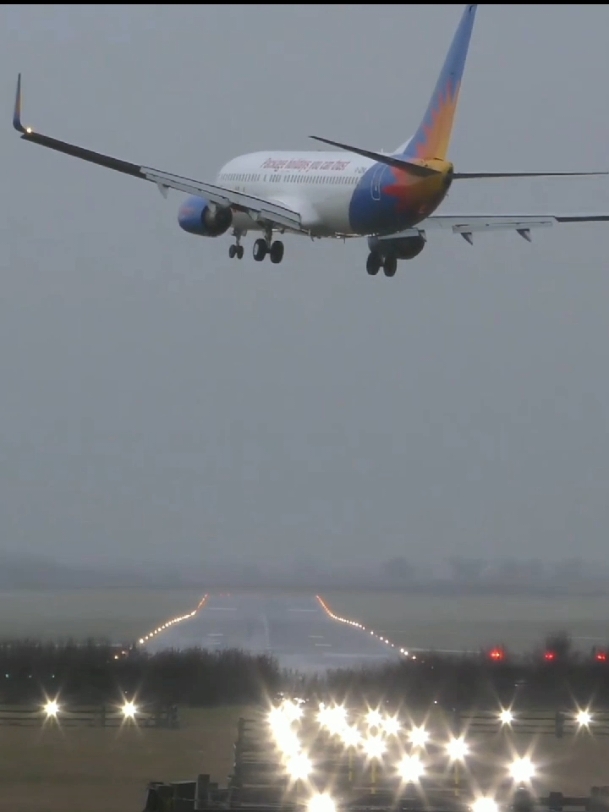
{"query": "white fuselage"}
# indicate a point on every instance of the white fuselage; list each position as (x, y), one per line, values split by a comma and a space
(318, 185)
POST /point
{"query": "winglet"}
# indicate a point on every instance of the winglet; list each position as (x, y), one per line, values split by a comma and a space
(17, 111)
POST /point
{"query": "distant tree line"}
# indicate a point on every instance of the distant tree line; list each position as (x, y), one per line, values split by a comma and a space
(554, 675)
(96, 673)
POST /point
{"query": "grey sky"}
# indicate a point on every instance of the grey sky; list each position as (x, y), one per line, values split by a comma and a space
(160, 401)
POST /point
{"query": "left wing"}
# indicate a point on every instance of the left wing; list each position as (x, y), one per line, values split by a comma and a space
(258, 208)
(468, 224)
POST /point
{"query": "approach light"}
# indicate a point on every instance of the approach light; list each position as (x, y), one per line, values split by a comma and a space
(506, 717)
(351, 736)
(374, 718)
(292, 711)
(418, 737)
(484, 804)
(522, 770)
(391, 726)
(321, 802)
(299, 767)
(374, 747)
(457, 749)
(584, 718)
(129, 710)
(411, 769)
(287, 741)
(51, 708)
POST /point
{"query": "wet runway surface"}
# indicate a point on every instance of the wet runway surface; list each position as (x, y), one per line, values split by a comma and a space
(296, 630)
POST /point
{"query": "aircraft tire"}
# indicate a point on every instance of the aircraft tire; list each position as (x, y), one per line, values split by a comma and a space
(373, 263)
(390, 265)
(276, 252)
(260, 250)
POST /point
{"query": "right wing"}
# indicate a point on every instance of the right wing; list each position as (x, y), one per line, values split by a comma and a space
(469, 224)
(258, 208)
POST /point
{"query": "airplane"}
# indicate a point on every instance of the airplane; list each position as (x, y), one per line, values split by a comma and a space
(390, 198)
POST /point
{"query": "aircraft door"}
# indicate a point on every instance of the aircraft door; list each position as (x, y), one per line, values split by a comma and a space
(376, 185)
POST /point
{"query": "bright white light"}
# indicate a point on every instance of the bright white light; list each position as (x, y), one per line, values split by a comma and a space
(584, 718)
(373, 718)
(51, 708)
(506, 717)
(411, 769)
(457, 749)
(522, 770)
(299, 767)
(291, 711)
(129, 710)
(374, 747)
(321, 803)
(287, 741)
(484, 804)
(351, 737)
(391, 725)
(418, 736)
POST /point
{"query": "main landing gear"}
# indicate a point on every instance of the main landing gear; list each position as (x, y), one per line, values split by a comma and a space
(376, 261)
(236, 250)
(266, 245)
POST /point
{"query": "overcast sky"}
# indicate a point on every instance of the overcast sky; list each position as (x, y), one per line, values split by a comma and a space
(162, 402)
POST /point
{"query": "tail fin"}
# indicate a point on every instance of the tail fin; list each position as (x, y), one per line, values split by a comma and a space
(432, 138)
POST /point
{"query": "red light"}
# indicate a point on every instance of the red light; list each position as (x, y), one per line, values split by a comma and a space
(549, 656)
(601, 657)
(497, 654)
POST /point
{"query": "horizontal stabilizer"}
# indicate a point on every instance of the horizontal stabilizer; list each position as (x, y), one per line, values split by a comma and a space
(474, 175)
(391, 160)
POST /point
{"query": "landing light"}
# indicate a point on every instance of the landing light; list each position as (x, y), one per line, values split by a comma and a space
(506, 717)
(584, 718)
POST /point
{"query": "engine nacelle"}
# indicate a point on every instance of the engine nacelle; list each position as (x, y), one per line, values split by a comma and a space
(400, 247)
(198, 216)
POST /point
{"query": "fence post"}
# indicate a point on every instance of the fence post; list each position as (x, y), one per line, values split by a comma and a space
(559, 724)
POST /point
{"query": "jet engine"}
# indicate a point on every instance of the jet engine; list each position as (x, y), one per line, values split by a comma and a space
(198, 216)
(400, 247)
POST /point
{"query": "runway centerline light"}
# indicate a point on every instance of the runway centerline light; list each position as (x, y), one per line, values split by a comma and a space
(457, 749)
(51, 708)
(321, 802)
(485, 804)
(522, 770)
(411, 769)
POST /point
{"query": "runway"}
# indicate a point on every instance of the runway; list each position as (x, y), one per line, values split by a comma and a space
(298, 631)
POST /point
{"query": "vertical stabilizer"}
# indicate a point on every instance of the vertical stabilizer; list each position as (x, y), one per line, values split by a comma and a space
(432, 138)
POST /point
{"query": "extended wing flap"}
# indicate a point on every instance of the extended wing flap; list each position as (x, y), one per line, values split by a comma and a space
(258, 208)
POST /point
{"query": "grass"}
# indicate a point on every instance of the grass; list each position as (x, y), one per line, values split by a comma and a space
(96, 769)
